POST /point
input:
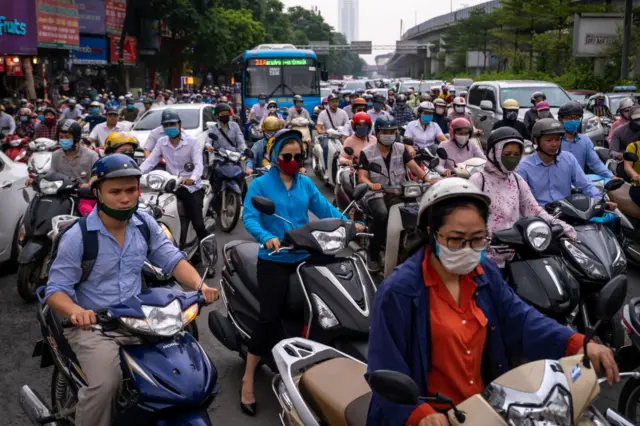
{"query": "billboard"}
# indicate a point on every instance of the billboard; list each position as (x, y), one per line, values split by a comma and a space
(18, 31)
(115, 12)
(58, 26)
(92, 51)
(91, 16)
(595, 33)
(129, 57)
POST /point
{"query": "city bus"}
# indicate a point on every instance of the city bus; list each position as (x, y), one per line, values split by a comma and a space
(280, 72)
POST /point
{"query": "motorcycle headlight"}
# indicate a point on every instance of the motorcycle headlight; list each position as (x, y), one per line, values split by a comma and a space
(326, 316)
(159, 320)
(538, 235)
(592, 267)
(591, 125)
(155, 182)
(331, 242)
(49, 187)
(412, 191)
(234, 156)
(620, 261)
(556, 410)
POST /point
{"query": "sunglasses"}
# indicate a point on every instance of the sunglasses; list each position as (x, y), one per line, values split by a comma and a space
(296, 157)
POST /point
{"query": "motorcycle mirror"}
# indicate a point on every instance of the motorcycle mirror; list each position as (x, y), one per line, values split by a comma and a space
(611, 297)
(434, 163)
(189, 167)
(85, 193)
(170, 186)
(263, 205)
(614, 184)
(442, 153)
(360, 191)
(630, 156)
(395, 387)
(209, 251)
(348, 150)
(248, 153)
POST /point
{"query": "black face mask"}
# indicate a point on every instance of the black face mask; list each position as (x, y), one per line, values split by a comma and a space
(224, 119)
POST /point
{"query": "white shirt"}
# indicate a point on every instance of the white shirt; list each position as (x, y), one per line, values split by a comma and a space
(423, 137)
(101, 131)
(259, 111)
(339, 119)
(153, 138)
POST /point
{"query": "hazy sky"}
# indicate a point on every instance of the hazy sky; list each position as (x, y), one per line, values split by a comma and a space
(380, 19)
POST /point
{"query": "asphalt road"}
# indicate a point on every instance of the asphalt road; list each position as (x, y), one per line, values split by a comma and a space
(19, 331)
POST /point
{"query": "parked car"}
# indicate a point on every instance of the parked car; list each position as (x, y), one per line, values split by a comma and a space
(15, 198)
(485, 104)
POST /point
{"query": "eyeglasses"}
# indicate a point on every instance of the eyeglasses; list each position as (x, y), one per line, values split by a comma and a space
(458, 243)
(288, 157)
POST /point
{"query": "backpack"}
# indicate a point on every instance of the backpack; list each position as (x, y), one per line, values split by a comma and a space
(90, 245)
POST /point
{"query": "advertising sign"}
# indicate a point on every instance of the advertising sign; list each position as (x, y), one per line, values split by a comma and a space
(18, 31)
(115, 12)
(129, 57)
(91, 16)
(92, 51)
(58, 26)
(595, 33)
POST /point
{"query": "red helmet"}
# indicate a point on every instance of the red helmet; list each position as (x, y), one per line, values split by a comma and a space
(361, 118)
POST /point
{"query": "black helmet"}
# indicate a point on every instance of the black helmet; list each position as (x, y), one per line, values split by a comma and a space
(383, 123)
(130, 101)
(502, 134)
(298, 98)
(222, 107)
(262, 96)
(70, 126)
(170, 115)
(401, 98)
(379, 99)
(570, 108)
(332, 97)
(538, 95)
(547, 126)
(113, 166)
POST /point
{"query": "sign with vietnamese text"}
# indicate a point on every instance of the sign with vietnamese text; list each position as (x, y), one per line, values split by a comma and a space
(287, 62)
(595, 33)
(129, 56)
(18, 34)
(92, 51)
(58, 26)
(91, 16)
(115, 11)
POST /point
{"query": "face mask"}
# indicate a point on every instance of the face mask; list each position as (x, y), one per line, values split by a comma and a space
(290, 168)
(72, 106)
(426, 119)
(461, 141)
(439, 111)
(362, 131)
(347, 100)
(509, 162)
(95, 111)
(49, 121)
(24, 118)
(511, 116)
(459, 109)
(571, 126)
(129, 107)
(461, 261)
(41, 118)
(172, 132)
(262, 102)
(401, 104)
(272, 109)
(118, 214)
(370, 104)
(387, 140)
(377, 106)
(66, 144)
(224, 118)
(128, 154)
(543, 114)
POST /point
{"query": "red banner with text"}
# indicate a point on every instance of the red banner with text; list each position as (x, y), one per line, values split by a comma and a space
(129, 56)
(114, 14)
(58, 24)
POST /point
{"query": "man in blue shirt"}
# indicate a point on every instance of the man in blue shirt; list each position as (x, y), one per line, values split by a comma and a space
(550, 172)
(580, 145)
(115, 277)
(95, 116)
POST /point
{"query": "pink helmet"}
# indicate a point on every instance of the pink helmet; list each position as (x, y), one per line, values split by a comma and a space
(325, 100)
(541, 106)
(457, 124)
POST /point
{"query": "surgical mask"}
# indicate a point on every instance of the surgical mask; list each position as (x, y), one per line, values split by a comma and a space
(95, 111)
(129, 107)
(362, 131)
(571, 126)
(510, 162)
(370, 104)
(460, 262)
(439, 110)
(387, 140)
(66, 144)
(426, 119)
(121, 215)
(24, 118)
(377, 106)
(41, 118)
(544, 114)
(172, 132)
(511, 116)
(461, 140)
(272, 109)
(459, 109)
(262, 102)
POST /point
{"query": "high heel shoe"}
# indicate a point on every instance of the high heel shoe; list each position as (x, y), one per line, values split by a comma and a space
(248, 409)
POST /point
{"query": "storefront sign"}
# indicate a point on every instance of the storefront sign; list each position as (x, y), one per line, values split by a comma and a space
(58, 26)
(91, 16)
(92, 51)
(18, 33)
(115, 12)
(129, 56)
(14, 66)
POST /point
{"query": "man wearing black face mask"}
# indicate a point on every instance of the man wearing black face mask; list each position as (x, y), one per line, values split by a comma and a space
(510, 109)
(626, 134)
(227, 134)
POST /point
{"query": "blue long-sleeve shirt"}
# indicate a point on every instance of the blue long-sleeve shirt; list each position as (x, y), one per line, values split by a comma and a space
(258, 154)
(553, 182)
(116, 275)
(582, 148)
(293, 204)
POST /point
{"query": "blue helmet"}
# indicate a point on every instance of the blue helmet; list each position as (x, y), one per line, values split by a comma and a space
(170, 115)
(273, 147)
(383, 123)
(113, 166)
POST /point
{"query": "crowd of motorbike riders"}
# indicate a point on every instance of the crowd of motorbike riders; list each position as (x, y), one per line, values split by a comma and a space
(457, 216)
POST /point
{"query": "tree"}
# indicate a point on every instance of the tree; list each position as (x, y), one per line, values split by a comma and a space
(277, 24)
(311, 23)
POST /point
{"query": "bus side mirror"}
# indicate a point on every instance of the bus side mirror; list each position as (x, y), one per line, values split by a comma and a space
(324, 75)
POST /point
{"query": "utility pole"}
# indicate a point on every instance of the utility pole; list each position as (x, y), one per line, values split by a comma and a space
(626, 40)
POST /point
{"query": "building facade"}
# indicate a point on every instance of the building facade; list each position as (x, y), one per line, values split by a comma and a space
(348, 19)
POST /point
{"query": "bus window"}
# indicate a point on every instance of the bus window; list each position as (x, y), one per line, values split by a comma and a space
(263, 80)
(302, 80)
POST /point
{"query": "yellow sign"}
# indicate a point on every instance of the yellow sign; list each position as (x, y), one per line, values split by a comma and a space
(233, 80)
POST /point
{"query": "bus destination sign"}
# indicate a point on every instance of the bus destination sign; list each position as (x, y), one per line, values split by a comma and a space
(281, 62)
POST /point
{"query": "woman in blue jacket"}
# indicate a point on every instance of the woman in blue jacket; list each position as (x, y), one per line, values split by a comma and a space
(447, 319)
(294, 196)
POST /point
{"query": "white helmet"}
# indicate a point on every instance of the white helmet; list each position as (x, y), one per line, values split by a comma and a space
(459, 101)
(448, 188)
(626, 103)
(426, 107)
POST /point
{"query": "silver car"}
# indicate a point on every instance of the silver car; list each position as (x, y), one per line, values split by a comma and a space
(15, 199)
(485, 104)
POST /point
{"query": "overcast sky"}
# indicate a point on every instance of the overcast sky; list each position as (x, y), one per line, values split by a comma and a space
(380, 19)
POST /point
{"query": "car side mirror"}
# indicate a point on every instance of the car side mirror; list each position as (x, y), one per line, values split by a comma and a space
(348, 150)
(630, 156)
(360, 191)
(263, 205)
(395, 387)
(612, 297)
(209, 251)
(442, 153)
(248, 153)
(487, 106)
(614, 184)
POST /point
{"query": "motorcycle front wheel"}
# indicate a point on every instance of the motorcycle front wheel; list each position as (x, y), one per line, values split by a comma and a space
(230, 212)
(629, 401)
(29, 280)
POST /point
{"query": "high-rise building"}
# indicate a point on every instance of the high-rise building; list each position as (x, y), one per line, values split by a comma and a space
(348, 19)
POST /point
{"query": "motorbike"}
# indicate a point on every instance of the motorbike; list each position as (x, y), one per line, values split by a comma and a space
(346, 182)
(230, 176)
(254, 131)
(168, 378)
(463, 169)
(40, 158)
(157, 189)
(16, 148)
(326, 170)
(318, 385)
(55, 195)
(301, 124)
(329, 299)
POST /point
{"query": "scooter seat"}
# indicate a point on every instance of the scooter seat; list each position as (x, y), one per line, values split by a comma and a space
(634, 312)
(337, 392)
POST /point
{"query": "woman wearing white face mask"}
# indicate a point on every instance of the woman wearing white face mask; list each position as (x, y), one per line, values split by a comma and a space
(458, 148)
(272, 111)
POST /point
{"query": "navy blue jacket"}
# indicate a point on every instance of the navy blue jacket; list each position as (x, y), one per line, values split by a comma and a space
(400, 336)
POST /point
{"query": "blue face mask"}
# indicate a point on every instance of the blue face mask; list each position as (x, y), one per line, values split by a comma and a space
(172, 132)
(369, 104)
(362, 131)
(571, 126)
(41, 118)
(129, 106)
(426, 119)
(66, 144)
(24, 118)
(262, 102)
(377, 106)
(95, 111)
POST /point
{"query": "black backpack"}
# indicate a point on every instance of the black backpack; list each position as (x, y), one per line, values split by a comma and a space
(90, 245)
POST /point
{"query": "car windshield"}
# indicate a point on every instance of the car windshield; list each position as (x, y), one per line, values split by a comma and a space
(576, 96)
(282, 77)
(190, 119)
(556, 97)
(358, 85)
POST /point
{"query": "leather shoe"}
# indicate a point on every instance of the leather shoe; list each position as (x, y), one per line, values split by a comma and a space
(248, 409)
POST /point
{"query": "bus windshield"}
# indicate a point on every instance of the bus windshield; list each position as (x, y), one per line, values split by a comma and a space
(281, 77)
